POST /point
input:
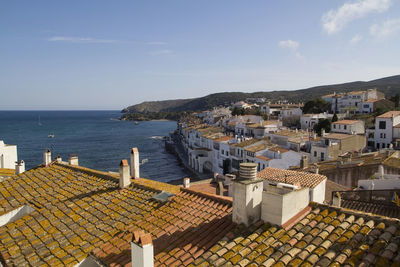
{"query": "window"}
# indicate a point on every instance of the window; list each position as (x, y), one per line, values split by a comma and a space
(222, 152)
(345, 127)
(315, 153)
(322, 156)
(382, 125)
(227, 153)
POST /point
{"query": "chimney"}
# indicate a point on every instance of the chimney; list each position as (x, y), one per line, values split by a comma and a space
(336, 199)
(303, 162)
(281, 203)
(381, 171)
(142, 250)
(19, 167)
(58, 159)
(47, 157)
(247, 195)
(186, 182)
(124, 176)
(73, 160)
(135, 163)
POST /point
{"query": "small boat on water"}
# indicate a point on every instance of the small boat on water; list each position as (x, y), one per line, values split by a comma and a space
(136, 122)
(39, 123)
(51, 135)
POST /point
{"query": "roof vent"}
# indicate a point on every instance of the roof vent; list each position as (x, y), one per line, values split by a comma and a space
(162, 197)
(248, 171)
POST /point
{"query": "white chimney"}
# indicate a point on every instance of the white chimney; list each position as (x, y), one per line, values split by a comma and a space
(19, 167)
(381, 171)
(280, 204)
(59, 159)
(247, 195)
(47, 157)
(142, 250)
(135, 163)
(124, 176)
(186, 182)
(304, 162)
(73, 160)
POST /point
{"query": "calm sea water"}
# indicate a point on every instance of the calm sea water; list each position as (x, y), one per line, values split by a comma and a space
(99, 139)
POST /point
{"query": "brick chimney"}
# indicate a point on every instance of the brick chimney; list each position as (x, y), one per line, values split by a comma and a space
(124, 176)
(73, 160)
(19, 167)
(142, 249)
(135, 163)
(247, 195)
(47, 157)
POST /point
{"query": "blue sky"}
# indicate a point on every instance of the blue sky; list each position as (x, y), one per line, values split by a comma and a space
(111, 54)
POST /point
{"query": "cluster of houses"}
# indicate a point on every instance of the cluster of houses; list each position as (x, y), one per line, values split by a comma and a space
(223, 141)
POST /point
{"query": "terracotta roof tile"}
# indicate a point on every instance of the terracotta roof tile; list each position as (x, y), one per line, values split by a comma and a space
(263, 158)
(75, 210)
(389, 114)
(305, 179)
(348, 122)
(196, 229)
(223, 139)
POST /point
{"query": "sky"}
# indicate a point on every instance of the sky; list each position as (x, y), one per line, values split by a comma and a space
(112, 54)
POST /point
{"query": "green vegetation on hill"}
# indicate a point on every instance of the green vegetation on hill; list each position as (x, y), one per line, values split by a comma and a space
(390, 86)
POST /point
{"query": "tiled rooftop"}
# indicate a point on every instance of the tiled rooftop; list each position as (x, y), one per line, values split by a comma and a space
(389, 114)
(247, 142)
(338, 136)
(75, 211)
(327, 236)
(5, 173)
(305, 179)
(263, 158)
(182, 230)
(223, 139)
(374, 208)
(78, 211)
(348, 122)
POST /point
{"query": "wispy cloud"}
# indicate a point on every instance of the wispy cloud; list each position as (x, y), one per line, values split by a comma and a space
(156, 43)
(86, 40)
(161, 52)
(385, 29)
(292, 46)
(356, 38)
(336, 19)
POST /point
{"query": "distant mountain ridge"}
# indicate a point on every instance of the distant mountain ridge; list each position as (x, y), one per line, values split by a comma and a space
(388, 85)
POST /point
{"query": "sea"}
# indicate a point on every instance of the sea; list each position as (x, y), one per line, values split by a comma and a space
(99, 139)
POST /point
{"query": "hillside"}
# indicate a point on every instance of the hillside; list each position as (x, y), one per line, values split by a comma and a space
(389, 86)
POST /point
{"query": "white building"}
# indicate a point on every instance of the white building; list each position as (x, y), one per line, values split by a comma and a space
(8, 155)
(307, 121)
(387, 130)
(348, 127)
(241, 104)
(291, 112)
(353, 102)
